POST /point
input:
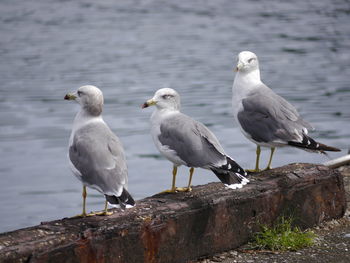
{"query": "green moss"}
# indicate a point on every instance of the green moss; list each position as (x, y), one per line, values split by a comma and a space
(282, 236)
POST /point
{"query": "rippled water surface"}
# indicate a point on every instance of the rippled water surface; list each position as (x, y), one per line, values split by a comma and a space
(130, 49)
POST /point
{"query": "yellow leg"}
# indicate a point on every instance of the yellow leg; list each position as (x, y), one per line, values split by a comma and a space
(173, 188)
(270, 161)
(106, 206)
(258, 151)
(104, 212)
(188, 188)
(84, 214)
(84, 194)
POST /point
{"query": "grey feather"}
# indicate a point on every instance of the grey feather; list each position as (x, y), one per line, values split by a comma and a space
(267, 117)
(194, 143)
(98, 155)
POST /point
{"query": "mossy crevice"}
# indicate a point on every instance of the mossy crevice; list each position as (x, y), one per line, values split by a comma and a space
(283, 236)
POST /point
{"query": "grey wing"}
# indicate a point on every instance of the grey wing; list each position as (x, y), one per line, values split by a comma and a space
(191, 140)
(267, 117)
(99, 156)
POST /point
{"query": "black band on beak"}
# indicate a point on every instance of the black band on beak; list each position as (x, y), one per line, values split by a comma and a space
(145, 105)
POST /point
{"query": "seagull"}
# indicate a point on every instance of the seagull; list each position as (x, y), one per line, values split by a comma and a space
(96, 155)
(264, 117)
(184, 141)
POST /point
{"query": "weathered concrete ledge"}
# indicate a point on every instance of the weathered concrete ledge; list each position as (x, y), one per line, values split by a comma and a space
(184, 226)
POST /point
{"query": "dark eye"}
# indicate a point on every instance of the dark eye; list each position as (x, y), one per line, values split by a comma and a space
(80, 93)
(250, 60)
(168, 96)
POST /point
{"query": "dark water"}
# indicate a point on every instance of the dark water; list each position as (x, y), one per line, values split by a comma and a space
(130, 49)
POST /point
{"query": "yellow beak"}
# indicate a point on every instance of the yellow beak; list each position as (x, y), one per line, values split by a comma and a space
(148, 103)
(239, 66)
(70, 96)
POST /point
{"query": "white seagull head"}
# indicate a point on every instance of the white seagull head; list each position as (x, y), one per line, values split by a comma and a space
(247, 62)
(90, 99)
(165, 98)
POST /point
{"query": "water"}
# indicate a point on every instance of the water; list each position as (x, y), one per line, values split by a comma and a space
(130, 49)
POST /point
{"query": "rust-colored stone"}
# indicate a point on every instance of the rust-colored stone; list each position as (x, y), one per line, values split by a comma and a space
(151, 240)
(184, 226)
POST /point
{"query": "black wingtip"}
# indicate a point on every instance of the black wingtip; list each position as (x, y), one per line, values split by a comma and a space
(124, 200)
(231, 174)
(310, 144)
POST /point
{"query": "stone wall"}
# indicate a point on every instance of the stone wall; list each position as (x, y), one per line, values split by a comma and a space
(184, 226)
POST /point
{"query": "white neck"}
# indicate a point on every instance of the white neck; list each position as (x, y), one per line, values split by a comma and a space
(162, 113)
(251, 77)
(166, 110)
(243, 84)
(83, 117)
